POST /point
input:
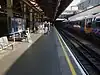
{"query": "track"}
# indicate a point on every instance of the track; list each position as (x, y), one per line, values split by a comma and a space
(88, 58)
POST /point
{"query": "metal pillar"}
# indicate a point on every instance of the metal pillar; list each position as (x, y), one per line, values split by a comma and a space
(35, 17)
(9, 13)
(24, 11)
(39, 17)
(24, 14)
(31, 19)
(42, 18)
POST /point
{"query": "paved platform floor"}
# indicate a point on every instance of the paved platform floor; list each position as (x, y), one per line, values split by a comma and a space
(44, 57)
(9, 56)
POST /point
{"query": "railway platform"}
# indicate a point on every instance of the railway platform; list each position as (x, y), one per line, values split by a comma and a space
(49, 55)
(9, 56)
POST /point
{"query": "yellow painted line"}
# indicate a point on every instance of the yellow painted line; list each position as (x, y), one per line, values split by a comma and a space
(67, 58)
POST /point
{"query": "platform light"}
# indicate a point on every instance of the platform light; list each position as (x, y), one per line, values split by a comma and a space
(39, 8)
(33, 2)
(36, 5)
(0, 6)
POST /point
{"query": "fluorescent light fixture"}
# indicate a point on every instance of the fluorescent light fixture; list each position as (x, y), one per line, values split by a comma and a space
(39, 8)
(0, 6)
(33, 2)
(59, 19)
(36, 4)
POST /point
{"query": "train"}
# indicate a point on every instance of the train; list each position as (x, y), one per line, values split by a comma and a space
(86, 25)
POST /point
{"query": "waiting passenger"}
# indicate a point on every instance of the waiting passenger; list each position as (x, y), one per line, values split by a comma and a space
(45, 27)
(36, 26)
(49, 26)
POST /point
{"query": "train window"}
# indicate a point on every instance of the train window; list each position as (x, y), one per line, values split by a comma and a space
(89, 25)
(98, 24)
(76, 26)
(98, 20)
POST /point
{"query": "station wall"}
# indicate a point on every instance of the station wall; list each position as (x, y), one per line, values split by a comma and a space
(3, 24)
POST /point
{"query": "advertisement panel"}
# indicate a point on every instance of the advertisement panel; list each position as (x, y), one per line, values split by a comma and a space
(17, 25)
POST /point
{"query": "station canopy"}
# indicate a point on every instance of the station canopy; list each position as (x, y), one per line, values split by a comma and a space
(90, 13)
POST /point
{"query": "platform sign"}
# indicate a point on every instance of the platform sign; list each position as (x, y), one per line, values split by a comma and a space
(13, 25)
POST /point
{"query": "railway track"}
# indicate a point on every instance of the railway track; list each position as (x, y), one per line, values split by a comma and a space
(88, 58)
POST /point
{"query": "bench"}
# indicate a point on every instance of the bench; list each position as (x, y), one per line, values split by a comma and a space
(4, 44)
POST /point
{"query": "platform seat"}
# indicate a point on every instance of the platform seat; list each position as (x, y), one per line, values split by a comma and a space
(4, 44)
(1, 43)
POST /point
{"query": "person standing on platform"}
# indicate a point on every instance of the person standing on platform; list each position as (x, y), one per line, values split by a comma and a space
(36, 26)
(49, 24)
(45, 27)
(28, 36)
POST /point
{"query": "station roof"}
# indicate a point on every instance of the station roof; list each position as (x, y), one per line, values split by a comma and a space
(49, 7)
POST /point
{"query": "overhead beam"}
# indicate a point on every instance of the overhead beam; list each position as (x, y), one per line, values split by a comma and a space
(32, 7)
(58, 4)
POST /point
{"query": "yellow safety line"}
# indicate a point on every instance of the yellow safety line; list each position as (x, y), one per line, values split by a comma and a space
(67, 58)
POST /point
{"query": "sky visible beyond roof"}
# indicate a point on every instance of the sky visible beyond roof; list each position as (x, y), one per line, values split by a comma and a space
(74, 3)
